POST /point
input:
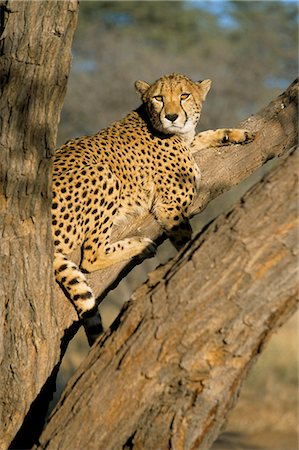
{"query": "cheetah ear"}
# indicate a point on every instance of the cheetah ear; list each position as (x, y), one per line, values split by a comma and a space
(141, 87)
(204, 87)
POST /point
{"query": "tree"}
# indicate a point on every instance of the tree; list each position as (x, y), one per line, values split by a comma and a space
(35, 340)
(35, 61)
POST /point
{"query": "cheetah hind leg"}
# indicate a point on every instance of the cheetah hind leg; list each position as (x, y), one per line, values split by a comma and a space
(75, 286)
(110, 254)
(222, 136)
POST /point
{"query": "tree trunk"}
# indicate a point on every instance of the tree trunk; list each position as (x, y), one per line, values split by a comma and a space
(35, 57)
(170, 370)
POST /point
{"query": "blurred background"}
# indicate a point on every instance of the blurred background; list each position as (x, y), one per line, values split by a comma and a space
(250, 51)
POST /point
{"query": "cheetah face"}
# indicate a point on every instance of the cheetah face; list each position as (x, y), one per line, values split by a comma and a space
(174, 102)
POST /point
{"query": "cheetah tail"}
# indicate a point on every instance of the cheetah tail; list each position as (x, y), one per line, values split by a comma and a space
(76, 288)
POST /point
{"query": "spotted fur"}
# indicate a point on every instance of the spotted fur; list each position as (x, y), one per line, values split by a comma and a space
(143, 163)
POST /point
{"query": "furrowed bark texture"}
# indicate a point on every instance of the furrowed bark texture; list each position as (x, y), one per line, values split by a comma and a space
(35, 41)
(170, 371)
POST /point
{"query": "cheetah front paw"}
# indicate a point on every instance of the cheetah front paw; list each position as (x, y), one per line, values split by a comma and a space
(235, 136)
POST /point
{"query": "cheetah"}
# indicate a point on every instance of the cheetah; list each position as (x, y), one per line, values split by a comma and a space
(140, 164)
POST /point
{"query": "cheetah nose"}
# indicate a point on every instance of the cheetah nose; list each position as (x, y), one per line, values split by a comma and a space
(171, 117)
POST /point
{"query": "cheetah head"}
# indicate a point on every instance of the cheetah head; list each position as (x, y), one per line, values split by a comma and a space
(174, 102)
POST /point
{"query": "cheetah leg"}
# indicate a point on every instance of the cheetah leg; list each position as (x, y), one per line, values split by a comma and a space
(109, 254)
(175, 224)
(74, 284)
(222, 136)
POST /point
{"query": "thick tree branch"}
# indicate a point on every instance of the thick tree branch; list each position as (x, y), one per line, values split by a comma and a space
(169, 372)
(276, 131)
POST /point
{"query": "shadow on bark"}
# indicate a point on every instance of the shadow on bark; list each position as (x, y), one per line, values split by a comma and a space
(36, 417)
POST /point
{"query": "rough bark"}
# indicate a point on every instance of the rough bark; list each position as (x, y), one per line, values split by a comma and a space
(170, 370)
(35, 42)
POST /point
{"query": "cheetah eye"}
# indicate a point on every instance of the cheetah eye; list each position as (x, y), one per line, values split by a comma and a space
(185, 96)
(159, 98)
